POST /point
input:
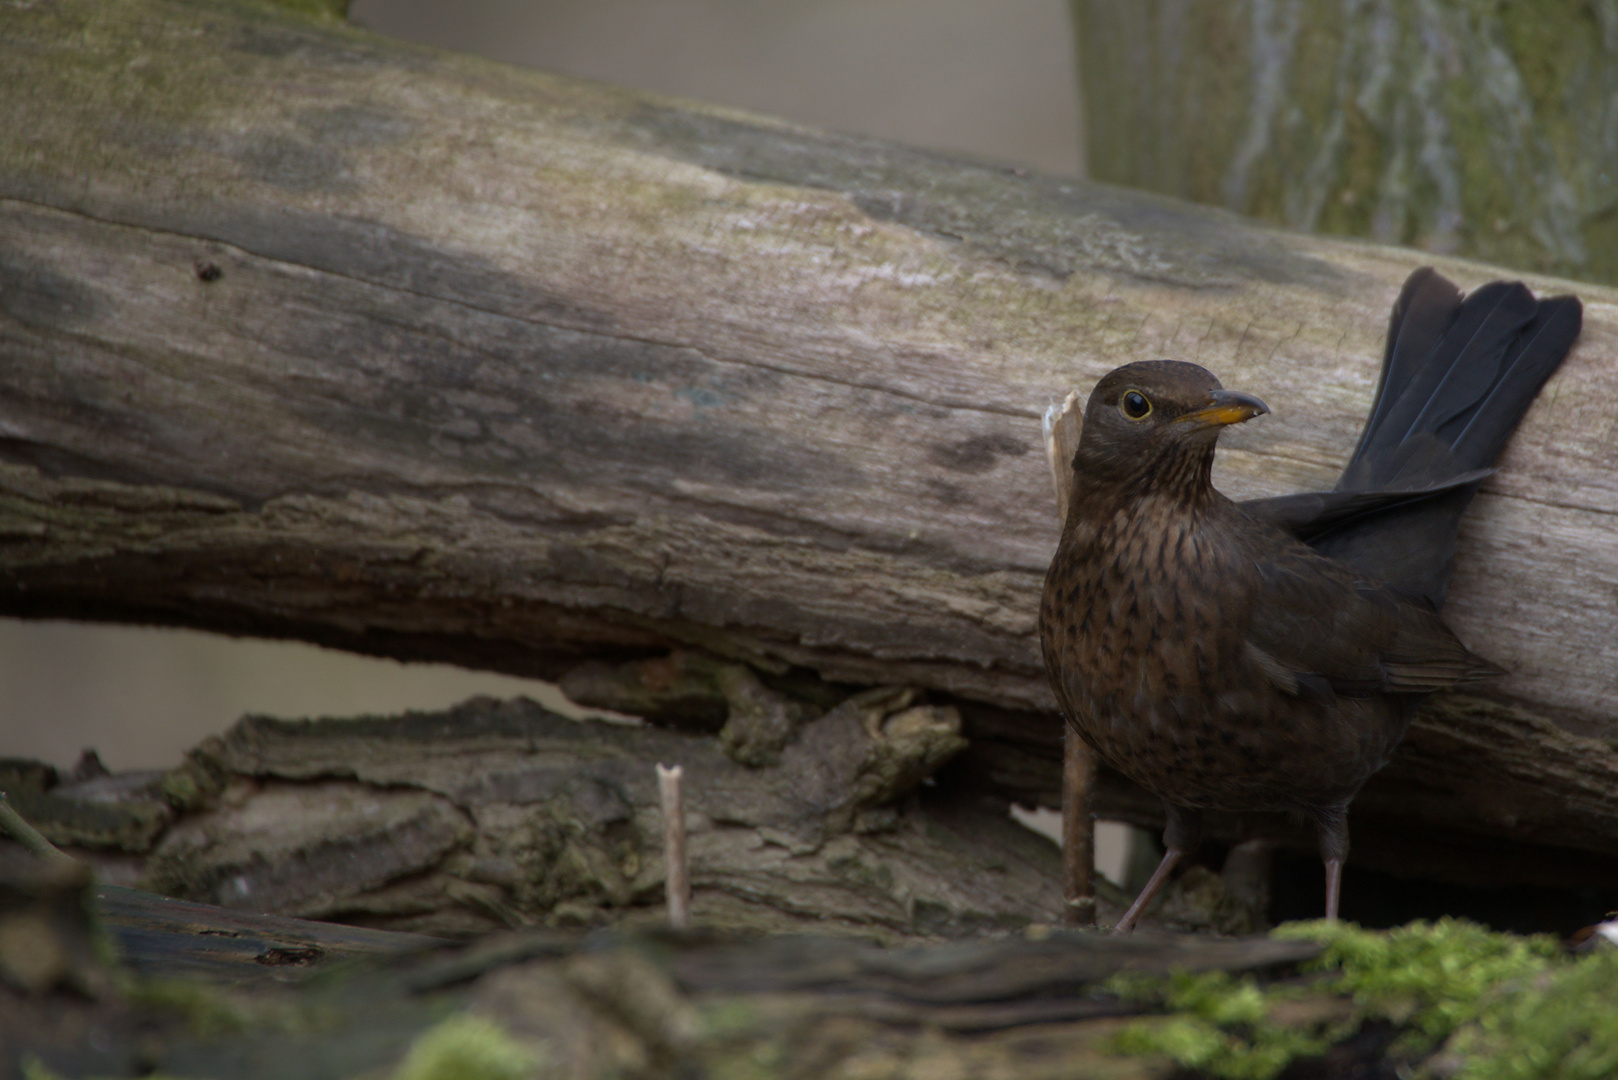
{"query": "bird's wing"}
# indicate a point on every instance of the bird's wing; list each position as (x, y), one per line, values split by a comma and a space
(1308, 514)
(1315, 628)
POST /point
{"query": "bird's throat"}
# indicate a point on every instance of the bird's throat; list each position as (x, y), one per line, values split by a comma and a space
(1178, 477)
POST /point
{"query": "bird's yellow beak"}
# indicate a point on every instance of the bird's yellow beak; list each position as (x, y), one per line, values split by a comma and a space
(1224, 407)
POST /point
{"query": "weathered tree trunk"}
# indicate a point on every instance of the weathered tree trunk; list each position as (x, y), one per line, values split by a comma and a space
(212, 992)
(306, 333)
(1466, 128)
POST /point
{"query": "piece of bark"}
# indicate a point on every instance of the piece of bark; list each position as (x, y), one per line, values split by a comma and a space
(126, 812)
(418, 355)
(495, 814)
(306, 848)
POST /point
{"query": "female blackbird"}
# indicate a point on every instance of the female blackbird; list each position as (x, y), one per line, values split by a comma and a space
(1268, 655)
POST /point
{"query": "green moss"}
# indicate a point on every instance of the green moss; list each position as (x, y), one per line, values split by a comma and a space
(728, 1018)
(1560, 1025)
(467, 1048)
(737, 1042)
(34, 1069)
(207, 1011)
(1221, 1025)
(1511, 1008)
(1429, 977)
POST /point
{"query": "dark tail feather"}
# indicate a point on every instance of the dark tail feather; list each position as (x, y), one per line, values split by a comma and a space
(1420, 316)
(1533, 358)
(1457, 376)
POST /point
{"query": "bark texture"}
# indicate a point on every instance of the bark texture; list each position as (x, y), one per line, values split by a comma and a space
(1483, 129)
(498, 815)
(307, 333)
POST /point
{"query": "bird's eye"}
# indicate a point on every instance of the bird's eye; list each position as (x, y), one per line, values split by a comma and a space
(1135, 405)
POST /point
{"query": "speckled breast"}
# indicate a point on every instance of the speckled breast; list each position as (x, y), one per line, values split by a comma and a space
(1145, 642)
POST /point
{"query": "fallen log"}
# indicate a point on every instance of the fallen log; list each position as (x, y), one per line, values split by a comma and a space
(207, 991)
(306, 333)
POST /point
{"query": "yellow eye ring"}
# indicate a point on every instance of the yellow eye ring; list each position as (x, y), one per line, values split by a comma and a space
(1135, 405)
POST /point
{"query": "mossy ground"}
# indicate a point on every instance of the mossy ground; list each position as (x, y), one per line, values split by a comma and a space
(1469, 1002)
(467, 1048)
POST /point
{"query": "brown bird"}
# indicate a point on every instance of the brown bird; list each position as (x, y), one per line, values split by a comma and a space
(1268, 655)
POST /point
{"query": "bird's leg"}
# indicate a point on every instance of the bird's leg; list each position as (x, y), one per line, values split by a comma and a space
(1181, 837)
(1171, 858)
(1331, 825)
(1334, 886)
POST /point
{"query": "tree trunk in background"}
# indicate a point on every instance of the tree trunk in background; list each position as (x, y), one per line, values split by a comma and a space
(1489, 130)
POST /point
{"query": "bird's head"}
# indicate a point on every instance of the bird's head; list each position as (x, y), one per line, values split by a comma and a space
(1147, 415)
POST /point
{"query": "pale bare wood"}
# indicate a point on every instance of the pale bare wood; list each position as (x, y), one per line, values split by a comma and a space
(1061, 426)
(677, 877)
(330, 337)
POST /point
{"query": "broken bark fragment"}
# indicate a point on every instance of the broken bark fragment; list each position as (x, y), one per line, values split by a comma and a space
(498, 814)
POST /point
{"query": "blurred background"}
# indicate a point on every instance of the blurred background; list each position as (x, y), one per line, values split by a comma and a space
(993, 80)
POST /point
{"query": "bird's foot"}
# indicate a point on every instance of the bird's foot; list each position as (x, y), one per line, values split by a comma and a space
(1154, 885)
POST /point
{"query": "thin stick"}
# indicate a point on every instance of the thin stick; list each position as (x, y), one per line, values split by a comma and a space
(1078, 830)
(1062, 426)
(677, 881)
(25, 834)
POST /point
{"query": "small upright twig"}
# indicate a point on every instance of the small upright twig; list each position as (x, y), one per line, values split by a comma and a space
(25, 834)
(1078, 830)
(677, 884)
(1062, 425)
